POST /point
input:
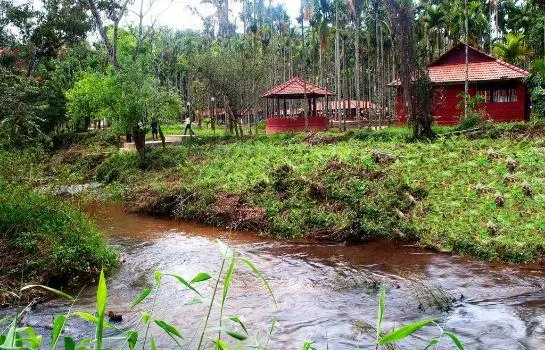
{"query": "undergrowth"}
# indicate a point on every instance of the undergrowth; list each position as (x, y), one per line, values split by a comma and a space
(481, 195)
(45, 241)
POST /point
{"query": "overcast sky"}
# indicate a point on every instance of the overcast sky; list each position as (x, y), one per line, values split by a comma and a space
(176, 14)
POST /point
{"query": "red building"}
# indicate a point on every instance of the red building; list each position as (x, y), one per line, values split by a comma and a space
(284, 111)
(506, 96)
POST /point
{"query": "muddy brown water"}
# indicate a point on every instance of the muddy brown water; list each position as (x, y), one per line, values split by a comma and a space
(326, 293)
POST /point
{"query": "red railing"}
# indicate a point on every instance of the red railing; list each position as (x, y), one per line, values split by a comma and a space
(280, 124)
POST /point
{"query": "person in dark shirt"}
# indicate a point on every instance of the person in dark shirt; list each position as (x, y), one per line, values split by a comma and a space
(154, 129)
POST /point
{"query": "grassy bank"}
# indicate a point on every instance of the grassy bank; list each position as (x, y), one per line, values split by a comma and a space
(483, 196)
(42, 240)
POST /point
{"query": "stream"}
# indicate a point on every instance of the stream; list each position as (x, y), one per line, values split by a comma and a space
(326, 293)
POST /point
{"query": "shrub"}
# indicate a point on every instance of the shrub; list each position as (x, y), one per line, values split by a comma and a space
(48, 241)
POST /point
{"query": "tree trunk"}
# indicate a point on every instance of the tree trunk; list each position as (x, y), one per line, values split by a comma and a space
(357, 66)
(139, 138)
(33, 66)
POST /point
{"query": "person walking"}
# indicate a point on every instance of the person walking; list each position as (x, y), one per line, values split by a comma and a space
(154, 129)
(187, 124)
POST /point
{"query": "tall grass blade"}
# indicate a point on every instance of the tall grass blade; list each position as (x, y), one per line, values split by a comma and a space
(220, 345)
(170, 330)
(93, 319)
(184, 282)
(102, 296)
(152, 344)
(141, 297)
(404, 332)
(455, 340)
(69, 344)
(227, 282)
(49, 289)
(201, 277)
(431, 344)
(236, 335)
(261, 276)
(9, 341)
(381, 306)
(236, 319)
(58, 324)
(34, 341)
(132, 339)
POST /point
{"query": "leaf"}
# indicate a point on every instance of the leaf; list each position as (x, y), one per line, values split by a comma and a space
(52, 290)
(168, 328)
(102, 296)
(58, 324)
(227, 282)
(141, 297)
(381, 306)
(201, 277)
(184, 282)
(220, 345)
(132, 338)
(260, 275)
(93, 319)
(403, 332)
(431, 343)
(146, 317)
(455, 340)
(32, 338)
(157, 275)
(69, 344)
(236, 335)
(152, 344)
(237, 320)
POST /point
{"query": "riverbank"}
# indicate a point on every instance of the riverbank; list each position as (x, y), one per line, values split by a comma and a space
(42, 239)
(482, 195)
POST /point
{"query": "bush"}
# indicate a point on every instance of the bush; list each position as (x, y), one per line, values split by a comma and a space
(46, 241)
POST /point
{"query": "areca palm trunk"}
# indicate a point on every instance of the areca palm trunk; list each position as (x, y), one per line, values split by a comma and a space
(337, 65)
(357, 63)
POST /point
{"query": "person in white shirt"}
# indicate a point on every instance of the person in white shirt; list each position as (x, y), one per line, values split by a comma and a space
(187, 124)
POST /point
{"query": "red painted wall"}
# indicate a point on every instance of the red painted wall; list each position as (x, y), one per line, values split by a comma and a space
(447, 112)
(276, 124)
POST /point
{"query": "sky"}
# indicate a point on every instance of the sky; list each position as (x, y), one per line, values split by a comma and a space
(177, 13)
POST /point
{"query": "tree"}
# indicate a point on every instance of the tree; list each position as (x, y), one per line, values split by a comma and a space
(19, 110)
(415, 84)
(128, 99)
(56, 24)
(227, 74)
(513, 49)
(113, 10)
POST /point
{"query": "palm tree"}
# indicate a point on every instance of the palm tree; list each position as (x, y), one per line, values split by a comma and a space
(513, 49)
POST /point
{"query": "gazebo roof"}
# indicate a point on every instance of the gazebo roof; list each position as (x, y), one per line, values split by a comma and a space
(296, 88)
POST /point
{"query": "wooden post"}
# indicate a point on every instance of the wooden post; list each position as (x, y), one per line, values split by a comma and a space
(285, 109)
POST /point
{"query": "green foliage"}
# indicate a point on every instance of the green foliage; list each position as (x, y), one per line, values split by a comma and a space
(474, 115)
(513, 49)
(20, 109)
(49, 242)
(124, 99)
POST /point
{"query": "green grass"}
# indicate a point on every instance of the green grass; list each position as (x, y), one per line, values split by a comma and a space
(331, 187)
(45, 241)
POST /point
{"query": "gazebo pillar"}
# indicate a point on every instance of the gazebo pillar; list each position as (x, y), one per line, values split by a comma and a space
(285, 109)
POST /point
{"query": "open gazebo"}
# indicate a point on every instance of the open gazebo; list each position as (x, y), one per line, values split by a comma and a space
(280, 118)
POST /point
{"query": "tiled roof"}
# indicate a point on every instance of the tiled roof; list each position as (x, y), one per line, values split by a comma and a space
(488, 69)
(477, 71)
(296, 88)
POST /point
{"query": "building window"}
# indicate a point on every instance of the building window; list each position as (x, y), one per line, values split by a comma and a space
(498, 95)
